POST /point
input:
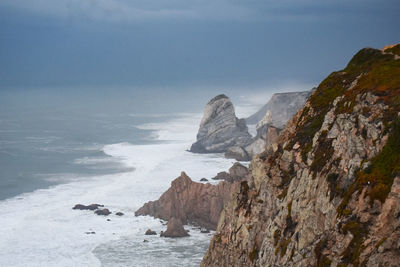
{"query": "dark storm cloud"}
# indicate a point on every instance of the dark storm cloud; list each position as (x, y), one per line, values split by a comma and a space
(171, 43)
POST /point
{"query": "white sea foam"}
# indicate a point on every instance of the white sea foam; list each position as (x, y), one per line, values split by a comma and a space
(41, 229)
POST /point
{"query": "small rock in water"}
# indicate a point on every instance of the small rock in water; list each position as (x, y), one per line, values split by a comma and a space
(204, 231)
(119, 213)
(203, 180)
(174, 229)
(90, 233)
(108, 220)
(89, 207)
(222, 176)
(145, 241)
(104, 212)
(150, 232)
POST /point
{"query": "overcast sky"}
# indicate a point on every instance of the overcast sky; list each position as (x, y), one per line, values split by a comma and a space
(185, 43)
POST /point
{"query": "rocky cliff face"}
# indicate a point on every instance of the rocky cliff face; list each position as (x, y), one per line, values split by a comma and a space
(270, 119)
(192, 202)
(279, 109)
(220, 128)
(328, 192)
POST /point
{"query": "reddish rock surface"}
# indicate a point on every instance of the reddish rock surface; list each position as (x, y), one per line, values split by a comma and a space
(191, 202)
(174, 229)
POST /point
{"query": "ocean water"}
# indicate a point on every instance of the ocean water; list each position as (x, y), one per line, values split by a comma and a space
(51, 161)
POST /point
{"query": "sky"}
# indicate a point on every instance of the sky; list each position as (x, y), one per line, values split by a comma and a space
(181, 45)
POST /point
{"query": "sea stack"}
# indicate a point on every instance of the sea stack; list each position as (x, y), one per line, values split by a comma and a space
(220, 129)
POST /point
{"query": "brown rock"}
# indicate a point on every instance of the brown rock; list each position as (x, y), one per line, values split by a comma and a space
(150, 232)
(222, 176)
(191, 202)
(175, 229)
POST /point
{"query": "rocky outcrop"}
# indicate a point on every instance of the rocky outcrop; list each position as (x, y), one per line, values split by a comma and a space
(265, 138)
(328, 192)
(191, 202)
(174, 229)
(236, 173)
(220, 129)
(104, 212)
(270, 119)
(279, 109)
(150, 232)
(88, 207)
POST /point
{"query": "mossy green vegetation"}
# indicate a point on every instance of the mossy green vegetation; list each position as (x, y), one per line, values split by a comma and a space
(323, 152)
(395, 50)
(253, 255)
(282, 247)
(334, 186)
(322, 260)
(353, 251)
(277, 236)
(378, 177)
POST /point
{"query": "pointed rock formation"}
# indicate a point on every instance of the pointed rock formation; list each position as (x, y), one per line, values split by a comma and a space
(220, 129)
(193, 202)
(174, 229)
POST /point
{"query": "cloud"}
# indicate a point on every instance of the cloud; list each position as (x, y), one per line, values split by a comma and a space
(132, 10)
(138, 10)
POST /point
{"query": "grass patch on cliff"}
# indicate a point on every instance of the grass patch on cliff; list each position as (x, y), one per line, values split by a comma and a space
(253, 255)
(379, 176)
(395, 50)
(381, 77)
(323, 153)
(353, 251)
(322, 260)
(282, 247)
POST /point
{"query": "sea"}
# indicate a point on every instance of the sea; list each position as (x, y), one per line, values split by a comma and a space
(54, 156)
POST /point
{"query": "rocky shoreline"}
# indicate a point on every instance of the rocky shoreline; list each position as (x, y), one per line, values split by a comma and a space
(324, 191)
(195, 203)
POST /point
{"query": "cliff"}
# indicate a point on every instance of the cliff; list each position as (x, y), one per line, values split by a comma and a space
(270, 119)
(328, 192)
(220, 128)
(279, 109)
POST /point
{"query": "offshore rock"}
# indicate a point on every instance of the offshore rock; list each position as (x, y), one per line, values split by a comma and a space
(238, 153)
(220, 129)
(150, 232)
(236, 173)
(88, 207)
(104, 212)
(279, 109)
(174, 229)
(191, 202)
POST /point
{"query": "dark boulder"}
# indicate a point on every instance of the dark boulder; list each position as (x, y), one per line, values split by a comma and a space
(89, 207)
(104, 212)
(119, 213)
(175, 229)
(203, 180)
(150, 232)
(222, 176)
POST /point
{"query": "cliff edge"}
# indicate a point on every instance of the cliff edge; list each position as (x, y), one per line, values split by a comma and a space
(328, 193)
